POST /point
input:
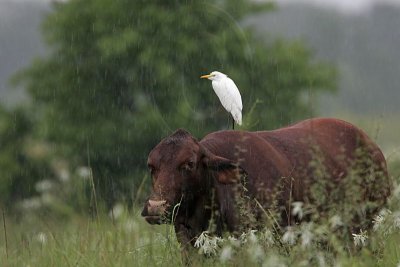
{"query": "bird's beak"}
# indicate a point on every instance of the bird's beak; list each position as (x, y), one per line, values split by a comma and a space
(205, 76)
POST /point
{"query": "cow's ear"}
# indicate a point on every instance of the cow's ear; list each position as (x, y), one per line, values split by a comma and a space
(225, 171)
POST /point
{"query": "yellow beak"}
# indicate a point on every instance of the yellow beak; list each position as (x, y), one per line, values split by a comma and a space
(205, 76)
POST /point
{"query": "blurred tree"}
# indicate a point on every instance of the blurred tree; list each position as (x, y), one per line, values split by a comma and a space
(21, 165)
(123, 74)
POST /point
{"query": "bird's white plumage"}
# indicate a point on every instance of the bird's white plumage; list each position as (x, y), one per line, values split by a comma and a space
(228, 94)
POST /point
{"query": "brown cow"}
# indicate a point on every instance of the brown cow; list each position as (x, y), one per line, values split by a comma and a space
(196, 181)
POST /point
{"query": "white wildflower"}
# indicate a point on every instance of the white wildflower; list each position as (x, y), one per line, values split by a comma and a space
(378, 221)
(206, 244)
(268, 237)
(63, 175)
(385, 212)
(226, 254)
(249, 236)
(32, 203)
(396, 219)
(234, 241)
(84, 172)
(252, 236)
(380, 218)
(306, 235)
(335, 221)
(243, 238)
(297, 209)
(44, 186)
(41, 238)
(289, 237)
(116, 211)
(274, 261)
(360, 239)
(256, 253)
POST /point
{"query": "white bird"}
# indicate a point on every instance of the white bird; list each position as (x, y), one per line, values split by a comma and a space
(228, 94)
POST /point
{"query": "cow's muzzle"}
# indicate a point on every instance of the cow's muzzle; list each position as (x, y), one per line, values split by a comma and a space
(154, 211)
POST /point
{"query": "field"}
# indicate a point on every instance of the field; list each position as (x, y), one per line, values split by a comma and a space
(131, 242)
(87, 242)
(114, 76)
(125, 239)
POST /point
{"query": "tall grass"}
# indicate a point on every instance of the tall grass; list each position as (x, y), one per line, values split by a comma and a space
(87, 242)
(132, 242)
(123, 238)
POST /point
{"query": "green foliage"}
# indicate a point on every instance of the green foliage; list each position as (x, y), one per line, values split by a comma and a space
(122, 74)
(21, 162)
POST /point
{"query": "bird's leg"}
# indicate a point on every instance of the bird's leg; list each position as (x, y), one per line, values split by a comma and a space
(233, 123)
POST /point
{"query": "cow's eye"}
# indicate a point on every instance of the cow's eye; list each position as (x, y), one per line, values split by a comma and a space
(151, 169)
(188, 166)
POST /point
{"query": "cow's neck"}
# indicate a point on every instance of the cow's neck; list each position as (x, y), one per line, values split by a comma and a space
(215, 209)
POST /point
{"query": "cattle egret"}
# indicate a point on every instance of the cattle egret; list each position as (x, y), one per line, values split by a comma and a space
(228, 94)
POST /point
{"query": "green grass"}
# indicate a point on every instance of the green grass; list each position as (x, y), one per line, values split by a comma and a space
(129, 241)
(42, 238)
(87, 242)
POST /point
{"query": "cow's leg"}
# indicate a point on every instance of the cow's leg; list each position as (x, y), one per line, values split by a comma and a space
(185, 239)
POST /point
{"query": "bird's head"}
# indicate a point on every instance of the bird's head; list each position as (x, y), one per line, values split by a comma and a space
(214, 76)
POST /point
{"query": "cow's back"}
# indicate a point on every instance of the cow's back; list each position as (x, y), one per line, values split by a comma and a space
(288, 152)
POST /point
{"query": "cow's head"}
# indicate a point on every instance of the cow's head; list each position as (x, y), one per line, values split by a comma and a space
(181, 170)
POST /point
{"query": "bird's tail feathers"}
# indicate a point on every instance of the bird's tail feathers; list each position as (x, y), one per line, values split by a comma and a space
(237, 116)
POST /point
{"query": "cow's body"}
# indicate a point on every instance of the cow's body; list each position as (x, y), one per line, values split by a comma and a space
(266, 161)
